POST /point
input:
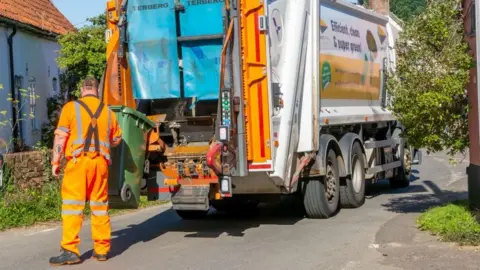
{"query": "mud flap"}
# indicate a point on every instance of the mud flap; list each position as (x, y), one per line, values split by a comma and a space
(191, 198)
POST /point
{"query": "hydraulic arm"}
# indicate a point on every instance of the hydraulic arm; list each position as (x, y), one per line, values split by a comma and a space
(117, 80)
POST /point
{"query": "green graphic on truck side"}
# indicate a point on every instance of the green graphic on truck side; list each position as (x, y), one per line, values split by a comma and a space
(326, 75)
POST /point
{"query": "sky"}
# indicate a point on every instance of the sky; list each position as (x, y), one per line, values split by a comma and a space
(77, 11)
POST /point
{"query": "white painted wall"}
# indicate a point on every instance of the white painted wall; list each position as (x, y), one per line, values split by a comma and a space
(34, 57)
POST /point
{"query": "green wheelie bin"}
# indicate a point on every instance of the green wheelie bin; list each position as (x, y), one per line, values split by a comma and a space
(128, 159)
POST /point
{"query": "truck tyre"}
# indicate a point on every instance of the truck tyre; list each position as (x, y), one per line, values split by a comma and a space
(401, 179)
(321, 196)
(352, 192)
(191, 214)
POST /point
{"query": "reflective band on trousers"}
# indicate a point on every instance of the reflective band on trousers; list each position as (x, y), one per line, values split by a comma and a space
(82, 203)
(73, 203)
(94, 203)
(100, 212)
(72, 212)
(80, 141)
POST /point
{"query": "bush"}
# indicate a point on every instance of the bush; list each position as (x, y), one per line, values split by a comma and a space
(453, 222)
(27, 207)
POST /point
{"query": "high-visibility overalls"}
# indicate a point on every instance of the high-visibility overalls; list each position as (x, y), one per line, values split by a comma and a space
(91, 128)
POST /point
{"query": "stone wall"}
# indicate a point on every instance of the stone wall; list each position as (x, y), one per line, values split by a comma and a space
(28, 169)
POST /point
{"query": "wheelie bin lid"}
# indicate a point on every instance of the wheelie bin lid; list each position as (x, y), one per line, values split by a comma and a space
(147, 123)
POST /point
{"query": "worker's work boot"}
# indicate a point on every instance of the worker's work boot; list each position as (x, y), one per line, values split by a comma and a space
(100, 257)
(67, 257)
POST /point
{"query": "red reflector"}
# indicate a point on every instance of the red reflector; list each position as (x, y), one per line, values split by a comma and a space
(259, 166)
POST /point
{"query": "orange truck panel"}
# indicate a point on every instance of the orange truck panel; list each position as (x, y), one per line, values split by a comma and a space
(255, 83)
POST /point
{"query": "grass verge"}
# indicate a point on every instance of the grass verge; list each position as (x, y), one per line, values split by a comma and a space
(27, 208)
(454, 222)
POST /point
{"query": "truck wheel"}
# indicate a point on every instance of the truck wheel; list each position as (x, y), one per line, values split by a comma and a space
(401, 179)
(191, 214)
(321, 196)
(352, 193)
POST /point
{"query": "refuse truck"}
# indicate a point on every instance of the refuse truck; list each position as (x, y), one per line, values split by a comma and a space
(244, 102)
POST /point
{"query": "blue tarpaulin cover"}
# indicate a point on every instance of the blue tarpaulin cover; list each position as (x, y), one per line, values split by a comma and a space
(201, 59)
(153, 54)
(201, 69)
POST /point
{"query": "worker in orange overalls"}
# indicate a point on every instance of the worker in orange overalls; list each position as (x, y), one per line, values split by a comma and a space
(86, 130)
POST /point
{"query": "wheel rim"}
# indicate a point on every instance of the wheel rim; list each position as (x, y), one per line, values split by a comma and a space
(330, 184)
(357, 176)
(406, 160)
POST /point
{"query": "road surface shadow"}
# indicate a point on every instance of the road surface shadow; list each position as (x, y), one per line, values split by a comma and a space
(383, 187)
(372, 190)
(418, 203)
(212, 226)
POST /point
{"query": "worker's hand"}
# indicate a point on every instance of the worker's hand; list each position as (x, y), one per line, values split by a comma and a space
(55, 170)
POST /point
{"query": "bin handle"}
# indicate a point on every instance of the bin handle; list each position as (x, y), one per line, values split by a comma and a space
(138, 125)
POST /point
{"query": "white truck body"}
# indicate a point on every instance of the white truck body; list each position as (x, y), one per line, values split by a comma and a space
(331, 83)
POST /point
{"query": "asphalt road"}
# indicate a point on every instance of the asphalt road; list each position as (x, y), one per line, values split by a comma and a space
(274, 238)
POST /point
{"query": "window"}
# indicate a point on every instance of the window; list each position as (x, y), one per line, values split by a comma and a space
(32, 100)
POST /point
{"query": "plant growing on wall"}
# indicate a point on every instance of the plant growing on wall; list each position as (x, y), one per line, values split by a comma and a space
(428, 89)
(6, 121)
(83, 53)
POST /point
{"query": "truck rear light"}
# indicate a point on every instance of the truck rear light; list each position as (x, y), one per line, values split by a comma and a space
(223, 134)
(226, 186)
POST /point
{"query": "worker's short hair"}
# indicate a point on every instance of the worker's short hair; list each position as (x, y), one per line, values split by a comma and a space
(90, 83)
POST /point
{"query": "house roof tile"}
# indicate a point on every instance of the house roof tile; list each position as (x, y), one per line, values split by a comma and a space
(41, 14)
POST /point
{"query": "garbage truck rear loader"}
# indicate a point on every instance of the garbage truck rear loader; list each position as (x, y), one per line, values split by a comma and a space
(303, 109)
(265, 98)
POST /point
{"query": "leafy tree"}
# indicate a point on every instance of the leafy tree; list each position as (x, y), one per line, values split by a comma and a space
(407, 9)
(428, 86)
(83, 53)
(404, 9)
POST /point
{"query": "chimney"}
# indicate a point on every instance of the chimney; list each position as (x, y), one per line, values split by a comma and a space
(380, 6)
